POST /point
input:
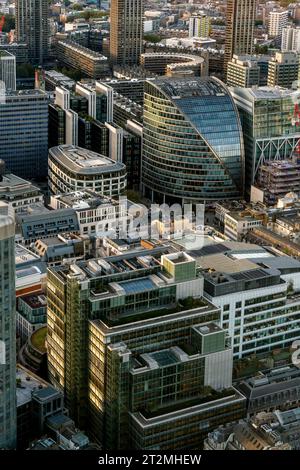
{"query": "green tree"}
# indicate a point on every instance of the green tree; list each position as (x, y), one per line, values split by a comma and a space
(154, 38)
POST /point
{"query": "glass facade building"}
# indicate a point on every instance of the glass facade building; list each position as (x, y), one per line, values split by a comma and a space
(7, 330)
(127, 336)
(192, 141)
(24, 133)
(270, 123)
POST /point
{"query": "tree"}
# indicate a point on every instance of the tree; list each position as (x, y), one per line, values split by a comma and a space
(154, 38)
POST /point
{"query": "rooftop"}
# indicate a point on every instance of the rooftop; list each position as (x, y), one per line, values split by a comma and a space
(190, 87)
(27, 382)
(35, 301)
(83, 161)
(14, 184)
(83, 200)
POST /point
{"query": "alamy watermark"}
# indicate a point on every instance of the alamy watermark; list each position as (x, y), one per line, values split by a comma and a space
(127, 220)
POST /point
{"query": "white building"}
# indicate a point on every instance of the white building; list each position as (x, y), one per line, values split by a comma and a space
(290, 40)
(72, 168)
(95, 214)
(236, 225)
(277, 21)
(258, 294)
(8, 70)
(199, 26)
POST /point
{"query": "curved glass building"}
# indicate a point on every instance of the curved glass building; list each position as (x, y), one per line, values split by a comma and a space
(192, 141)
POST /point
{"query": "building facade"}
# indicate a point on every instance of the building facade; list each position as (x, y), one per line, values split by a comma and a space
(126, 31)
(283, 69)
(32, 28)
(240, 20)
(192, 141)
(8, 70)
(143, 359)
(8, 428)
(72, 168)
(270, 126)
(24, 133)
(89, 63)
(199, 26)
(290, 39)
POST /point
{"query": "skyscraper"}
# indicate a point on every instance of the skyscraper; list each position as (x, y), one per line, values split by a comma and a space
(126, 31)
(240, 20)
(32, 28)
(24, 133)
(8, 70)
(199, 26)
(192, 141)
(7, 330)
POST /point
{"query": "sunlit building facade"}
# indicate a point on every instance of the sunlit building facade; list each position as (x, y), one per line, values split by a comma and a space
(192, 141)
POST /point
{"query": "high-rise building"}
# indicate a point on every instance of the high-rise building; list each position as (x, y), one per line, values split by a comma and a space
(32, 28)
(8, 419)
(243, 71)
(199, 26)
(283, 69)
(290, 39)
(277, 21)
(126, 31)
(192, 141)
(270, 125)
(131, 340)
(240, 21)
(24, 133)
(8, 70)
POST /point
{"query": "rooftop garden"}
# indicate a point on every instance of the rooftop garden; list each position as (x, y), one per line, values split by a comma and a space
(38, 339)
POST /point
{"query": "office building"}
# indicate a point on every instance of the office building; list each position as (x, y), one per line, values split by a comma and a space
(247, 71)
(283, 69)
(251, 287)
(277, 21)
(72, 168)
(89, 63)
(290, 39)
(24, 133)
(8, 70)
(192, 141)
(20, 51)
(199, 26)
(32, 28)
(31, 314)
(19, 193)
(276, 178)
(276, 388)
(270, 129)
(126, 31)
(240, 20)
(8, 428)
(101, 210)
(124, 341)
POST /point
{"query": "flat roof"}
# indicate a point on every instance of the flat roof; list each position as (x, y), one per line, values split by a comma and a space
(29, 383)
(83, 161)
(190, 86)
